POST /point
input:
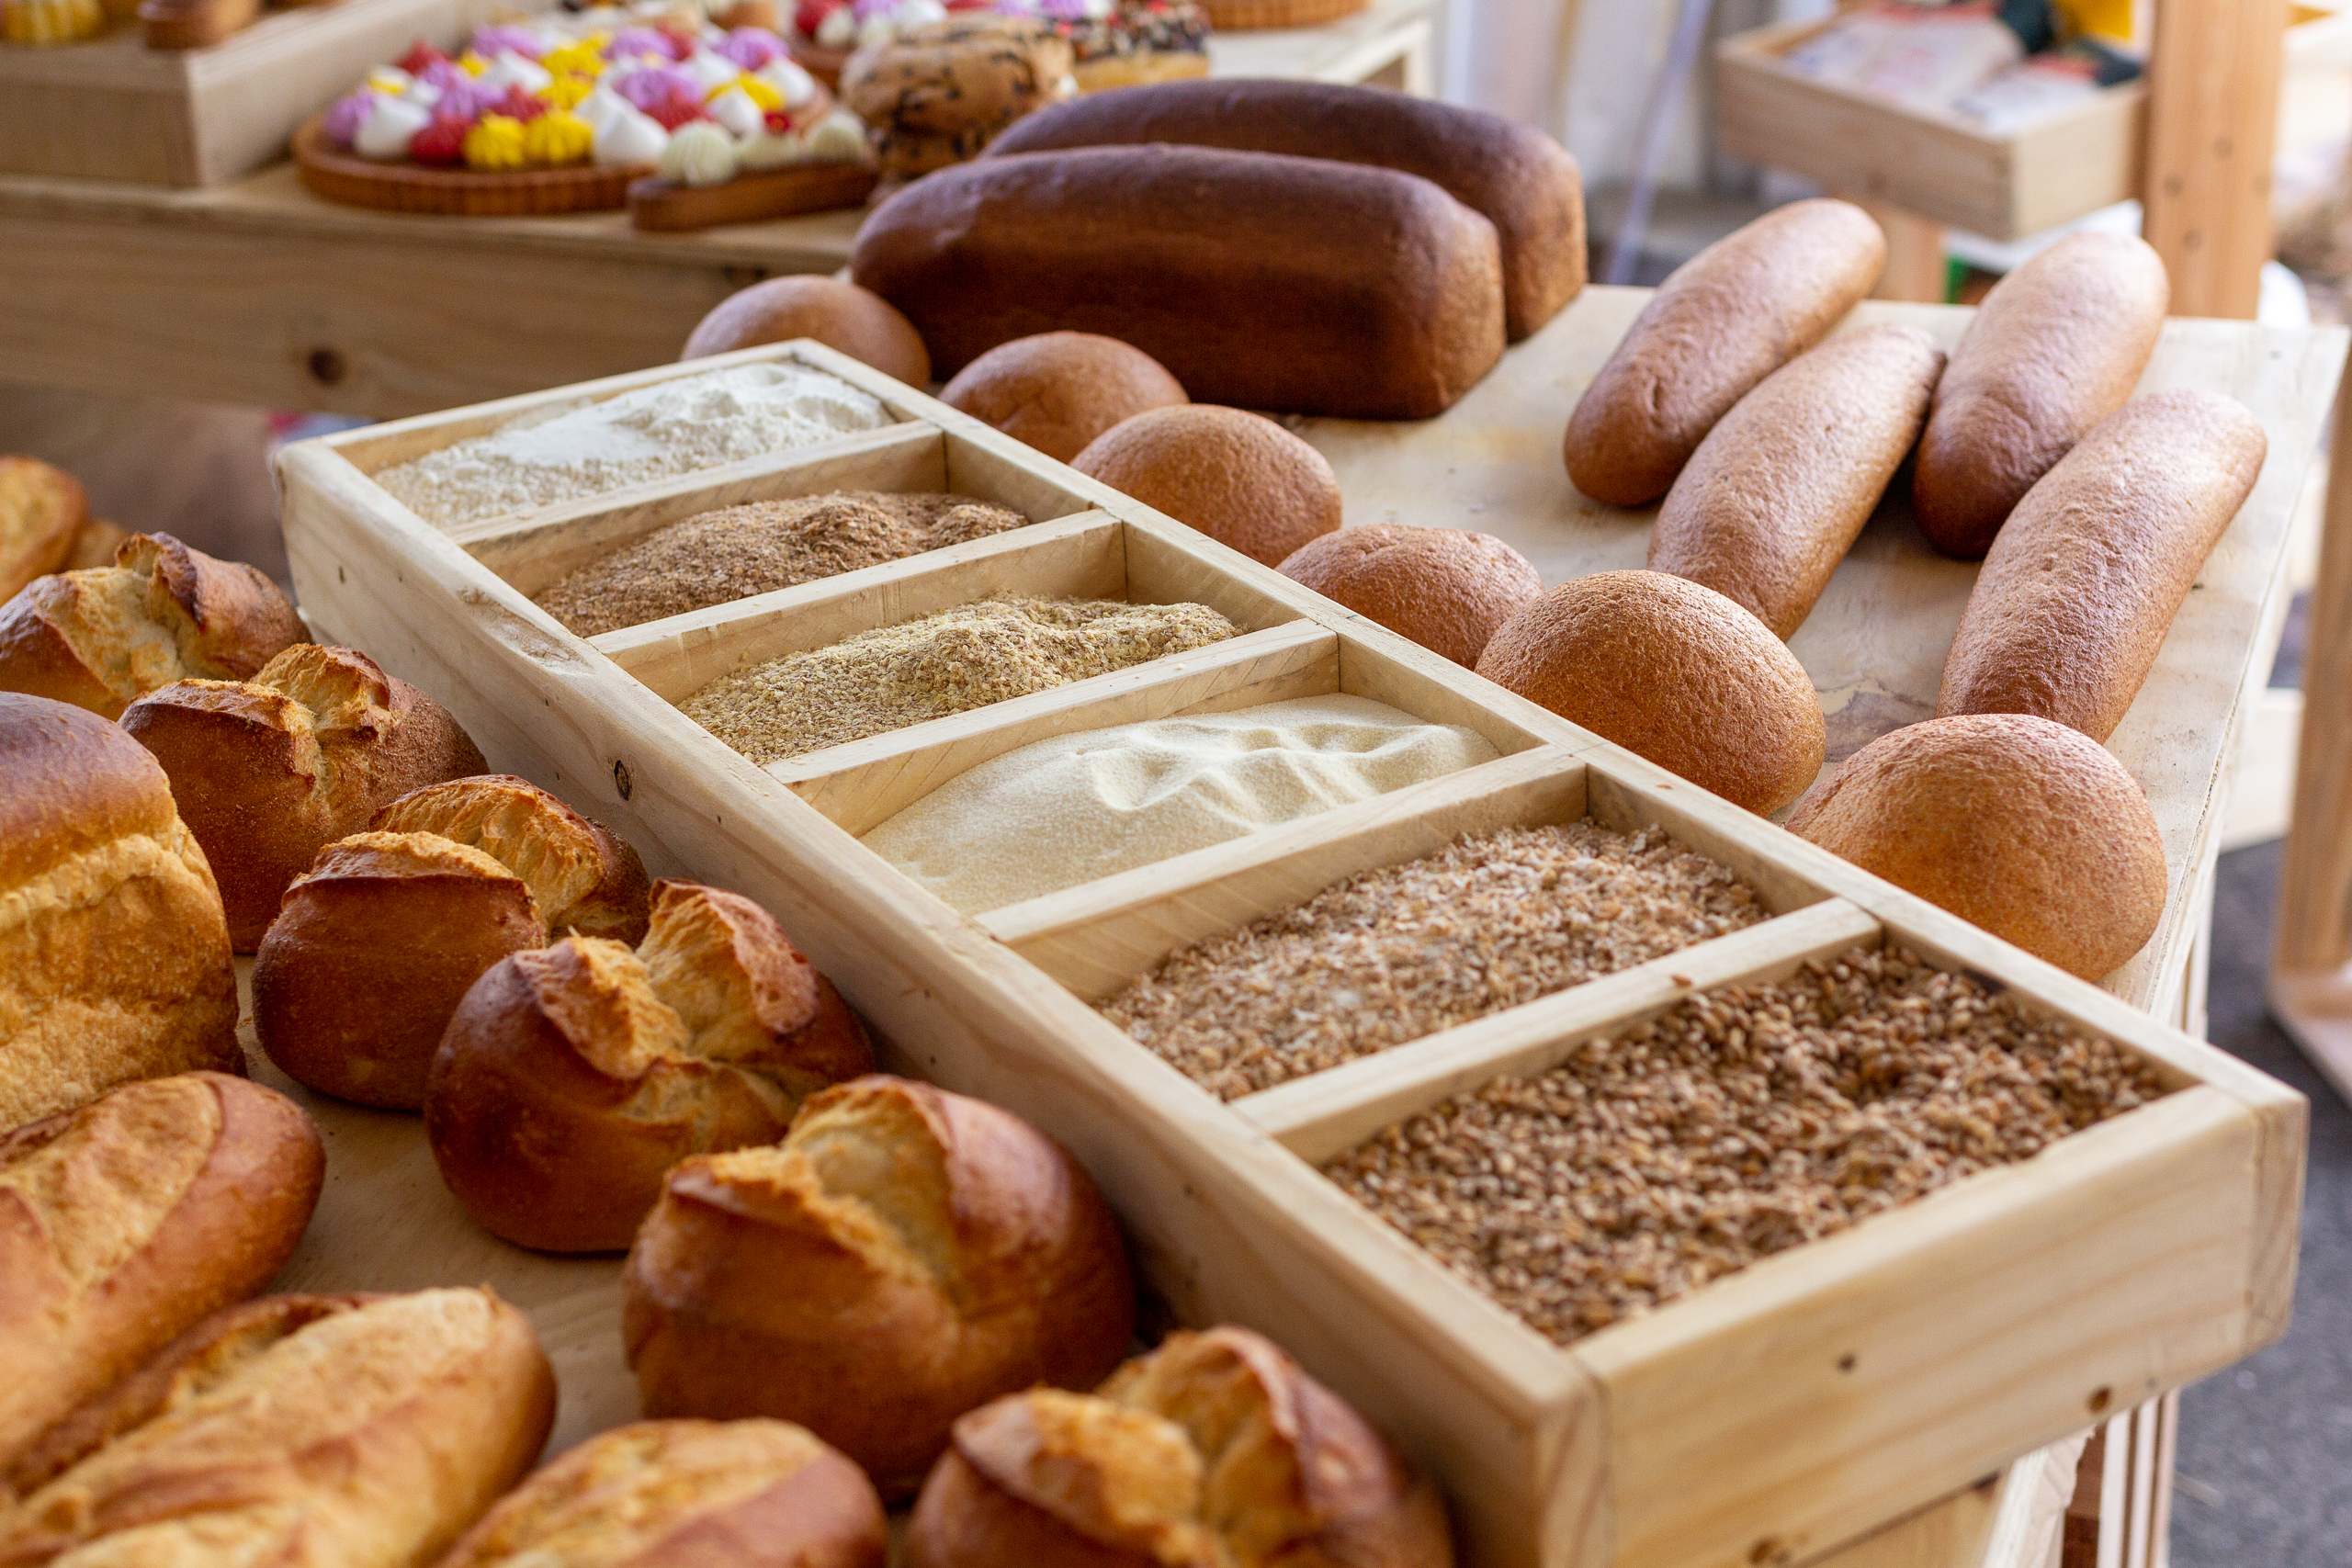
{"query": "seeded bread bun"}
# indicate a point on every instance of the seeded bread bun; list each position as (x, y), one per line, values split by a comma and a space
(2056, 348)
(687, 1495)
(269, 772)
(840, 315)
(1673, 671)
(1215, 1448)
(2022, 826)
(127, 1221)
(1059, 390)
(904, 1256)
(1238, 477)
(572, 1077)
(1721, 323)
(1446, 589)
(42, 511)
(162, 612)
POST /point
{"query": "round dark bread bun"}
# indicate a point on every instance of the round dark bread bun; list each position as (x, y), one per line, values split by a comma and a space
(1445, 588)
(1057, 391)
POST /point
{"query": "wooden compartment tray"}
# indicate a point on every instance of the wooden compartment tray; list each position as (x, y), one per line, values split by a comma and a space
(1768, 1417)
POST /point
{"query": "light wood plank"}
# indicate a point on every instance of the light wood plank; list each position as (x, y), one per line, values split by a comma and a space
(2213, 120)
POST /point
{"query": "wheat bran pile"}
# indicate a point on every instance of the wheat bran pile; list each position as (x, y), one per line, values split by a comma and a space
(1743, 1123)
(947, 663)
(1390, 956)
(714, 558)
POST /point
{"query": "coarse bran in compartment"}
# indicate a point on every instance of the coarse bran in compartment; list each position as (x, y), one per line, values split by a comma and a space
(1389, 955)
(1744, 1122)
(945, 663)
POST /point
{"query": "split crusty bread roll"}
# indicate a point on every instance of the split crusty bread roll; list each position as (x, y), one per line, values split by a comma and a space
(377, 944)
(2022, 826)
(42, 510)
(1445, 588)
(1387, 303)
(162, 612)
(687, 1495)
(2081, 586)
(1215, 1448)
(1780, 490)
(840, 315)
(904, 1256)
(1721, 323)
(1235, 476)
(1675, 671)
(1059, 390)
(2056, 348)
(130, 1220)
(572, 1077)
(114, 959)
(301, 1431)
(1521, 180)
(270, 770)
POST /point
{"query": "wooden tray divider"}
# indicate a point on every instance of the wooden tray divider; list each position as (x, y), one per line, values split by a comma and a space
(974, 469)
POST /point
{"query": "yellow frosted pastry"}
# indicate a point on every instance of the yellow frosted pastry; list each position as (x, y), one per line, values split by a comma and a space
(555, 138)
(566, 90)
(52, 21)
(759, 92)
(495, 142)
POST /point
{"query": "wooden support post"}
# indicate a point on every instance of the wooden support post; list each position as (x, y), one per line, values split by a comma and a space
(2213, 122)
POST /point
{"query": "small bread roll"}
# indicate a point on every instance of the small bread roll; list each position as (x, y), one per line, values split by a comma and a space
(2056, 348)
(1238, 477)
(1057, 391)
(377, 942)
(2026, 828)
(687, 1495)
(1780, 490)
(130, 1220)
(352, 1431)
(1445, 588)
(904, 1256)
(114, 959)
(857, 322)
(2081, 586)
(42, 511)
(270, 770)
(1215, 1448)
(572, 1077)
(1675, 671)
(1721, 323)
(162, 612)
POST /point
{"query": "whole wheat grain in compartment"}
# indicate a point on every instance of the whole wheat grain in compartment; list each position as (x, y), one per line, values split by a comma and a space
(1743, 1123)
(1491, 921)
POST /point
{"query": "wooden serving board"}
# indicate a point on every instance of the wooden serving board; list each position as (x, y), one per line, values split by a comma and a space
(659, 206)
(330, 172)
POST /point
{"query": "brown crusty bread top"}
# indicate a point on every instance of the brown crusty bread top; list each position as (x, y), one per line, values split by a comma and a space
(2081, 586)
(1720, 323)
(2056, 348)
(41, 513)
(1525, 182)
(582, 876)
(1447, 589)
(76, 784)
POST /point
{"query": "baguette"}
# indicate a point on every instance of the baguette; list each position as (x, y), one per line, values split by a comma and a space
(1525, 182)
(1780, 488)
(2056, 348)
(1259, 281)
(2081, 583)
(1724, 320)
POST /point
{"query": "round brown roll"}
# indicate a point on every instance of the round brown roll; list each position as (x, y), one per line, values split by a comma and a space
(1215, 1448)
(2018, 824)
(904, 1256)
(1444, 588)
(43, 513)
(1238, 477)
(842, 316)
(1057, 391)
(1675, 671)
(572, 1077)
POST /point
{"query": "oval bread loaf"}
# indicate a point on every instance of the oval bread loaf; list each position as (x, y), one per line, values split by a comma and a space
(1780, 488)
(1721, 323)
(1265, 282)
(2056, 348)
(2081, 583)
(1522, 181)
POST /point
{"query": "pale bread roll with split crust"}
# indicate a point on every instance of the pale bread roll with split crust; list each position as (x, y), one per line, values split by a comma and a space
(1445, 588)
(42, 511)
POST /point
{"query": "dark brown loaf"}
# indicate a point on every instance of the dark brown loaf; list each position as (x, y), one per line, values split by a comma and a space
(126, 1222)
(1721, 323)
(1778, 491)
(1522, 181)
(1260, 281)
(2083, 582)
(2056, 348)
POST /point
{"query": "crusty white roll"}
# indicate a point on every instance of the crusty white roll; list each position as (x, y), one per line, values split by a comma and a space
(42, 511)
(904, 1256)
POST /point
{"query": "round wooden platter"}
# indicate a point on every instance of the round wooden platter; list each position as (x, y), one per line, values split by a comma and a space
(337, 175)
(1245, 16)
(663, 207)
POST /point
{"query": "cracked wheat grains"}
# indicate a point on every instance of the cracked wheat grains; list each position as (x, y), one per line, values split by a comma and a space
(1389, 955)
(1743, 1123)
